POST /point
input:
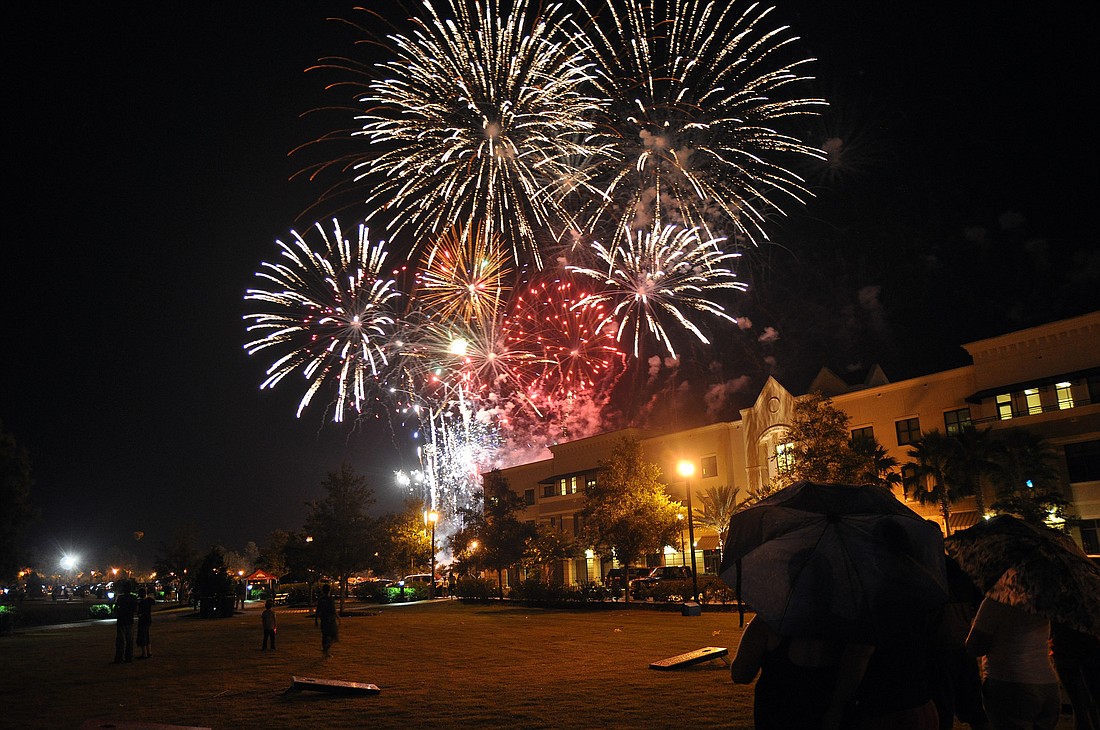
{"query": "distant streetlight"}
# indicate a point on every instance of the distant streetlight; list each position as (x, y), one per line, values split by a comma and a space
(686, 469)
(433, 517)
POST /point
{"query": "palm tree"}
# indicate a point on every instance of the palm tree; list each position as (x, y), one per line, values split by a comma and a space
(718, 505)
(973, 463)
(933, 458)
(875, 465)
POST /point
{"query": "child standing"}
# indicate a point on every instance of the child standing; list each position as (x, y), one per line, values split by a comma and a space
(269, 624)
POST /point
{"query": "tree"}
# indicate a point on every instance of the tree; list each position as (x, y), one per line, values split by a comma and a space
(177, 561)
(16, 512)
(548, 548)
(214, 586)
(628, 512)
(405, 545)
(1028, 484)
(973, 463)
(718, 505)
(272, 557)
(819, 444)
(301, 561)
(491, 521)
(874, 464)
(343, 534)
(935, 457)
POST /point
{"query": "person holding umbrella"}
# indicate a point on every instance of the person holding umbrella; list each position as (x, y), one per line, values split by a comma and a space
(1019, 685)
(838, 575)
(1031, 576)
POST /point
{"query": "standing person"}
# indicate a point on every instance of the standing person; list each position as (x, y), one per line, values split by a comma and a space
(242, 593)
(268, 617)
(1077, 662)
(789, 668)
(145, 620)
(125, 608)
(328, 618)
(1019, 686)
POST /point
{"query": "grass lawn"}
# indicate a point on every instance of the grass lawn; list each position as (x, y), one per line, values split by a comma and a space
(439, 664)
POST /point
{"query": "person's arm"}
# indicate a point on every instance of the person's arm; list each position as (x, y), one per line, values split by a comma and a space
(980, 639)
(750, 652)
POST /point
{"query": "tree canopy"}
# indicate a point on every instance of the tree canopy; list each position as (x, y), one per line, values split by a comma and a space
(627, 512)
(343, 534)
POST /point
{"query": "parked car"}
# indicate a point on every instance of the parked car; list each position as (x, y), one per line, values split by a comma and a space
(614, 577)
(424, 579)
(638, 586)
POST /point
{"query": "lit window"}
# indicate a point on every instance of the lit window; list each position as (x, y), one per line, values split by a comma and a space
(1065, 395)
(1034, 403)
(590, 481)
(784, 458)
(1004, 406)
(955, 422)
(563, 485)
(572, 485)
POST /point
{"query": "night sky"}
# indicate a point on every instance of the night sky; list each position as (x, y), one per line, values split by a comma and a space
(148, 152)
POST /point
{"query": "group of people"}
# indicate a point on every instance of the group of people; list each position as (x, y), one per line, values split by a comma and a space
(129, 607)
(326, 616)
(996, 667)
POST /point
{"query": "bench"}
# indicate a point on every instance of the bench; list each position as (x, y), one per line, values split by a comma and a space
(332, 686)
(706, 654)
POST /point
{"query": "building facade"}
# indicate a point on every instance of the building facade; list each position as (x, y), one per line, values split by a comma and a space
(1044, 379)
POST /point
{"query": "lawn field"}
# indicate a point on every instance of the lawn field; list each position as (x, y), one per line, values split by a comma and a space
(438, 664)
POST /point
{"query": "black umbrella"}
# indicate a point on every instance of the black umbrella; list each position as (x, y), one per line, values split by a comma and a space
(834, 561)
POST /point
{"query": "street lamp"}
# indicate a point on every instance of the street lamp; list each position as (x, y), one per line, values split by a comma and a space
(686, 469)
(683, 555)
(433, 517)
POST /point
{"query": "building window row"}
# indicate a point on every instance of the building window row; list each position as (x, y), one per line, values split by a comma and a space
(1059, 396)
(566, 485)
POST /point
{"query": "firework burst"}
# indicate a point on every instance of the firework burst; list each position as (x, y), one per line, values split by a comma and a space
(577, 344)
(477, 119)
(325, 314)
(658, 275)
(695, 92)
(462, 278)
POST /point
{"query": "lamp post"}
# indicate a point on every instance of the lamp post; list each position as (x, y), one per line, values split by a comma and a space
(433, 517)
(686, 469)
(683, 555)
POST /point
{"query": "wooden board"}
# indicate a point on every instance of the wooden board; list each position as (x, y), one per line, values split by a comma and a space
(334, 686)
(706, 654)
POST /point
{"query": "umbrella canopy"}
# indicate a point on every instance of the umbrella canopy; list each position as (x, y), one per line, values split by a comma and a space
(834, 561)
(1034, 568)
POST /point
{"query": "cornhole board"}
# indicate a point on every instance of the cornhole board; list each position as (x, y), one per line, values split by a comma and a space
(706, 654)
(332, 686)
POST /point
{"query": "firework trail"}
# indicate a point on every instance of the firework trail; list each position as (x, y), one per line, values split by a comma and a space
(325, 314)
(695, 90)
(657, 276)
(477, 119)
